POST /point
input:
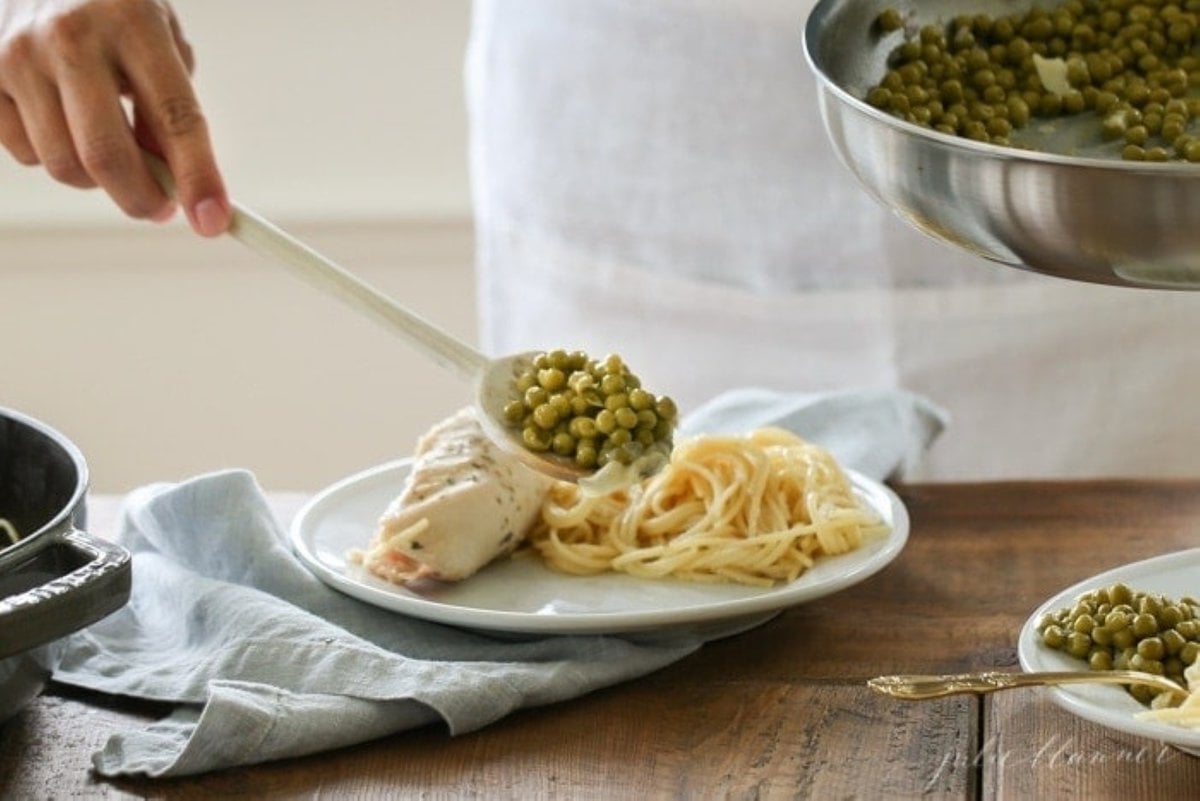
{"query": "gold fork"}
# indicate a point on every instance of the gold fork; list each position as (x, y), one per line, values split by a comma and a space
(919, 687)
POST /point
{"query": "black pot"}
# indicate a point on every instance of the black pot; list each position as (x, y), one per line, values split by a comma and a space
(56, 579)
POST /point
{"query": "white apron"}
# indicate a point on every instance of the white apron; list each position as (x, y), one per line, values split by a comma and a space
(652, 178)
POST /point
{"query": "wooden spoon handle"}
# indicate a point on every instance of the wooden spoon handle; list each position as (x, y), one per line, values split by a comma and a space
(305, 262)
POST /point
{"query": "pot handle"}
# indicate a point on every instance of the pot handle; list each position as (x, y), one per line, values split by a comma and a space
(72, 581)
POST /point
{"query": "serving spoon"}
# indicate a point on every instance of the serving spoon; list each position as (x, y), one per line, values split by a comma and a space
(492, 378)
(920, 687)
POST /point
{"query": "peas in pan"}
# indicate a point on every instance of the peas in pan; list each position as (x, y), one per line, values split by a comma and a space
(987, 78)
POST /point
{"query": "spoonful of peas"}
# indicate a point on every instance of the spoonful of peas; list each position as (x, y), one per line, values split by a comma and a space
(563, 414)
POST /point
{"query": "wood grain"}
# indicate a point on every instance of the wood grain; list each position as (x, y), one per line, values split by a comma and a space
(777, 712)
(1038, 750)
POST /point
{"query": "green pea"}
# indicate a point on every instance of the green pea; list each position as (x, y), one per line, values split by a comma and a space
(619, 400)
(1145, 625)
(998, 127)
(563, 444)
(1172, 128)
(514, 412)
(613, 364)
(1181, 32)
(552, 378)
(1078, 74)
(1138, 94)
(545, 416)
(536, 396)
(561, 404)
(612, 384)
(889, 20)
(1142, 693)
(1173, 641)
(582, 426)
(619, 437)
(1039, 29)
(917, 95)
(525, 381)
(606, 422)
(640, 399)
(1116, 620)
(626, 417)
(1054, 637)
(983, 78)
(1124, 638)
(1019, 49)
(1050, 105)
(1100, 659)
(1177, 107)
(1139, 662)
(1018, 111)
(536, 439)
(1169, 617)
(585, 457)
(1078, 644)
(1151, 648)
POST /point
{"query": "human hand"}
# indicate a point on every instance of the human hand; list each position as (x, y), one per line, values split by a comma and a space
(66, 66)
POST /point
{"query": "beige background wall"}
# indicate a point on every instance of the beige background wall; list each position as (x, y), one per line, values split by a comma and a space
(163, 355)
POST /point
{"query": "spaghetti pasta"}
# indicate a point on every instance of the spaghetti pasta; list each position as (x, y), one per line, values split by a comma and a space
(757, 509)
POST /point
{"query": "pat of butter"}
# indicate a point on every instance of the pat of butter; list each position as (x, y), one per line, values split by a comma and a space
(1052, 72)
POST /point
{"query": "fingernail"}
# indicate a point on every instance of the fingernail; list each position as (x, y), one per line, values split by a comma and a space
(209, 217)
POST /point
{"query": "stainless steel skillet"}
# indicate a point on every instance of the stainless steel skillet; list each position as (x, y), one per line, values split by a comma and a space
(1070, 209)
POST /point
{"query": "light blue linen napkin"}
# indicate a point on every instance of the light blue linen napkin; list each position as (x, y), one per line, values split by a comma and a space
(882, 433)
(263, 661)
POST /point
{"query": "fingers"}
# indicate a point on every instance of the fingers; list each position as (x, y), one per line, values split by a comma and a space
(62, 76)
(105, 145)
(181, 43)
(12, 133)
(34, 124)
(173, 126)
(46, 125)
(168, 111)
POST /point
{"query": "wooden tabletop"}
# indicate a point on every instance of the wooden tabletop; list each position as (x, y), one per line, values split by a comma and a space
(778, 712)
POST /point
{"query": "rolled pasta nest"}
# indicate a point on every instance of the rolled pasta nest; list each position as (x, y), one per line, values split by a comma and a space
(755, 509)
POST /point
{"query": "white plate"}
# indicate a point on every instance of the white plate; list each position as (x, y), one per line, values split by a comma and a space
(522, 595)
(1175, 575)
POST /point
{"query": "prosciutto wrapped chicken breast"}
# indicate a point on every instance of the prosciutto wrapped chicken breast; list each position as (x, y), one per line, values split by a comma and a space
(465, 503)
